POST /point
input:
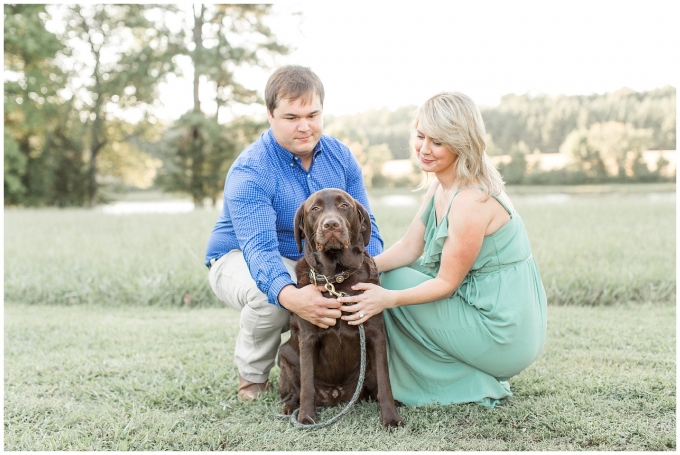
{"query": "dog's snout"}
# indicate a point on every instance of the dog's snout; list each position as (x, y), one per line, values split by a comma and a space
(331, 224)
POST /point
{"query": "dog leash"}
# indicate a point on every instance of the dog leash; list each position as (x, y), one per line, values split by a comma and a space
(362, 373)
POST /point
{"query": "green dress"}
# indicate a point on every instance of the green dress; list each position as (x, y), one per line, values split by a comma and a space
(465, 348)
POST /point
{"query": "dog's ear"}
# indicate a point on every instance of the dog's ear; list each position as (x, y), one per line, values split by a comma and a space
(365, 221)
(299, 226)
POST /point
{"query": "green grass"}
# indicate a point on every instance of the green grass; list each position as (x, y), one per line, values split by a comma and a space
(154, 378)
(591, 250)
(82, 256)
(114, 341)
(604, 250)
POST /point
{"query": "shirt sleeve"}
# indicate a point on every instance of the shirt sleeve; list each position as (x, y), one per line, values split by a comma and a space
(249, 198)
(356, 189)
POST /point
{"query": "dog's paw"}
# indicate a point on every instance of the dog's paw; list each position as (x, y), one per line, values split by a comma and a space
(392, 421)
(288, 410)
(306, 418)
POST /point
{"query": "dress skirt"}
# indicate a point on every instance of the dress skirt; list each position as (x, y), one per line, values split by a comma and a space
(461, 349)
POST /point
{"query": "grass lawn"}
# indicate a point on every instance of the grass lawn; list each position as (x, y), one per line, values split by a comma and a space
(595, 249)
(153, 378)
(114, 340)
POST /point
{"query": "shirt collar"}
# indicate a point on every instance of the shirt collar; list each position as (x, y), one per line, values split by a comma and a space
(284, 154)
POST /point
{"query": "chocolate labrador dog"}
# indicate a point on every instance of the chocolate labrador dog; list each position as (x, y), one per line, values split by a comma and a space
(320, 367)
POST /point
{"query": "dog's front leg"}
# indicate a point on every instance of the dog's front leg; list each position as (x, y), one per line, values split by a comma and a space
(378, 355)
(307, 413)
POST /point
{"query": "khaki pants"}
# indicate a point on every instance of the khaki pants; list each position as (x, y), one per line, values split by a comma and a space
(261, 322)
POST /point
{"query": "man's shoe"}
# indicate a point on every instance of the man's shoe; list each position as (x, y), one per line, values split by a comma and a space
(250, 390)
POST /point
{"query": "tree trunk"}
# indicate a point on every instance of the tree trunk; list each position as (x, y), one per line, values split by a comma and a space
(196, 144)
(92, 187)
(198, 51)
(97, 139)
(196, 184)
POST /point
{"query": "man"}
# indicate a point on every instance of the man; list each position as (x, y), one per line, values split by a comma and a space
(252, 252)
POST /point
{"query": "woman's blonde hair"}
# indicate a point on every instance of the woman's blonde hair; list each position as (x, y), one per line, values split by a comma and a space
(453, 119)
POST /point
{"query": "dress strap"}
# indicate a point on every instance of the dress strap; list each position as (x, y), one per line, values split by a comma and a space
(507, 209)
(465, 188)
(480, 188)
(456, 194)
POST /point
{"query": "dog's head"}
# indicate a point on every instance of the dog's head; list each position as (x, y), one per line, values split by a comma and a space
(333, 224)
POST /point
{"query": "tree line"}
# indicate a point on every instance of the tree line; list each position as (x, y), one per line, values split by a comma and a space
(81, 92)
(604, 135)
(72, 87)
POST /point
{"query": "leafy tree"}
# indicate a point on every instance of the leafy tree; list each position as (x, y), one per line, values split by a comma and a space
(543, 122)
(198, 145)
(223, 39)
(376, 126)
(641, 110)
(661, 165)
(15, 168)
(371, 159)
(491, 148)
(584, 154)
(515, 170)
(125, 163)
(619, 145)
(121, 57)
(32, 105)
(63, 155)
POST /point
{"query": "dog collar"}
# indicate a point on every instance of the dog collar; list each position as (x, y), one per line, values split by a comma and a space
(317, 278)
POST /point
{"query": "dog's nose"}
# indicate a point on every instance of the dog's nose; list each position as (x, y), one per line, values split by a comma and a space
(331, 224)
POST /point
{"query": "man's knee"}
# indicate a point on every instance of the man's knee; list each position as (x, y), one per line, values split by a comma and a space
(231, 282)
(265, 315)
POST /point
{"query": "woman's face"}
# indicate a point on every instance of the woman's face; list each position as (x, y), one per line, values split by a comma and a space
(432, 155)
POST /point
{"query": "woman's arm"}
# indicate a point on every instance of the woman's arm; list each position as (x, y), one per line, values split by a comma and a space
(468, 220)
(405, 251)
(409, 248)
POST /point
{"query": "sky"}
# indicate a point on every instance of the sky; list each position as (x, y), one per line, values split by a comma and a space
(374, 54)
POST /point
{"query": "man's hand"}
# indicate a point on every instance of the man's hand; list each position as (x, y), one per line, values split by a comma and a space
(310, 305)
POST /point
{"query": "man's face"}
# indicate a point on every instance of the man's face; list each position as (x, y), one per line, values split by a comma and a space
(297, 125)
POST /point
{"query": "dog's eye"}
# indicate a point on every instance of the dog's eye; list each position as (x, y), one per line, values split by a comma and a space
(344, 205)
(315, 208)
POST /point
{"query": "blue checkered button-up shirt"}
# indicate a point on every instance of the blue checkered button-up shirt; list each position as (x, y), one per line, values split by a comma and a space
(263, 190)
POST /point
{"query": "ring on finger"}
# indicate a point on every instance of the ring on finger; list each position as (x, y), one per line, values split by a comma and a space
(361, 315)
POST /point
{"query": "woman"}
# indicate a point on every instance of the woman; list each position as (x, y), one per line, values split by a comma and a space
(471, 312)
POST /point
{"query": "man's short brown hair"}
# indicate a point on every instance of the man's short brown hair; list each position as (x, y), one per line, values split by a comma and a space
(292, 82)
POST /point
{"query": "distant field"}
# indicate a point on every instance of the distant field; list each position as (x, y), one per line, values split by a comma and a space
(591, 249)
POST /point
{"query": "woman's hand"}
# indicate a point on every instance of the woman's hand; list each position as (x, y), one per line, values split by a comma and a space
(372, 301)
